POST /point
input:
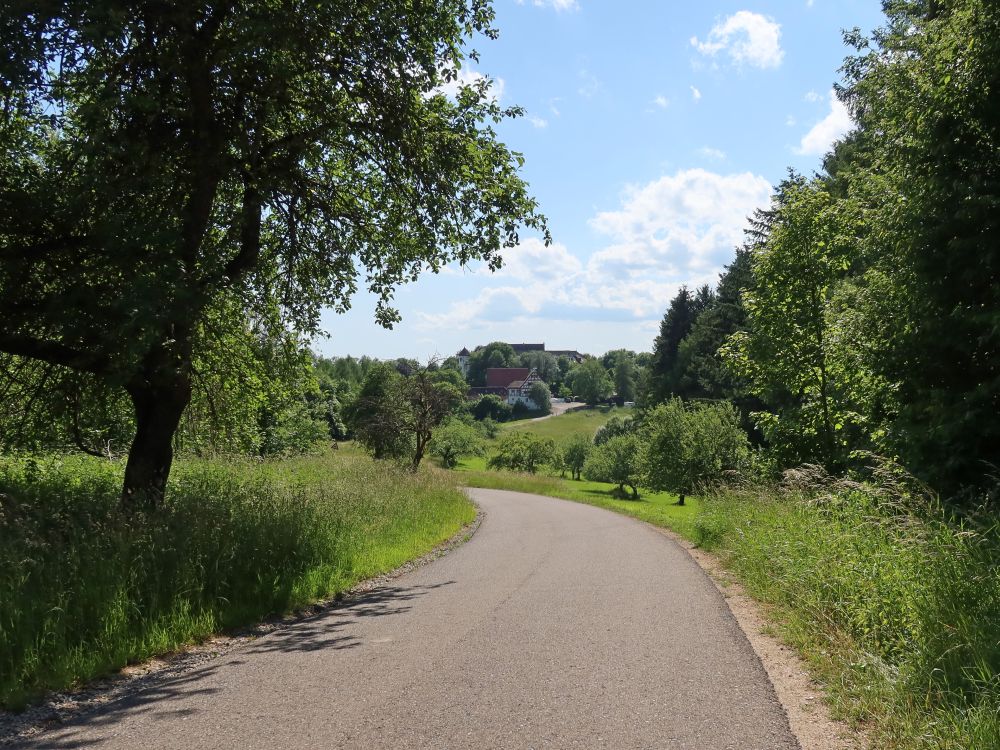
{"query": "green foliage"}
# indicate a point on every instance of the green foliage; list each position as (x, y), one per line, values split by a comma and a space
(394, 416)
(590, 381)
(492, 407)
(454, 440)
(494, 354)
(616, 461)
(573, 453)
(664, 368)
(86, 588)
(271, 154)
(541, 396)
(895, 605)
(625, 376)
(614, 427)
(687, 446)
(930, 187)
(522, 451)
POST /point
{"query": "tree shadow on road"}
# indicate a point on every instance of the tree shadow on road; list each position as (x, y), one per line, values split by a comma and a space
(167, 694)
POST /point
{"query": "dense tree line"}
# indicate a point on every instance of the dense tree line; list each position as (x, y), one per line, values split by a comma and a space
(863, 312)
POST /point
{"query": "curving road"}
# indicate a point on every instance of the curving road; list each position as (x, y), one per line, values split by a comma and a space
(557, 625)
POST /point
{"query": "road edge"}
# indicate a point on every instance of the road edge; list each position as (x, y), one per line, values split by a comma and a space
(59, 707)
(803, 698)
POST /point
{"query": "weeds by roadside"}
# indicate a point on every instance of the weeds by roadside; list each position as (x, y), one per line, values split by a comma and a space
(86, 589)
(895, 604)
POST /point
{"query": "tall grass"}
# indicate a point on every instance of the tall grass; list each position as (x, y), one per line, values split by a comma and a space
(85, 589)
(896, 604)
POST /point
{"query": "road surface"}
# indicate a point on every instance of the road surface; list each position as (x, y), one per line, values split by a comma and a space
(557, 625)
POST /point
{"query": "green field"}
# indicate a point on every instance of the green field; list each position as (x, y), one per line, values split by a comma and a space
(658, 508)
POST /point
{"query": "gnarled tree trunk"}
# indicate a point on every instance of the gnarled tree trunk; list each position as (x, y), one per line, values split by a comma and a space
(159, 396)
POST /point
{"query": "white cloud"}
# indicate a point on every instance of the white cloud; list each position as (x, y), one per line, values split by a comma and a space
(559, 5)
(538, 122)
(553, 105)
(812, 96)
(748, 38)
(469, 77)
(827, 131)
(661, 101)
(790, 121)
(712, 153)
(677, 230)
(695, 93)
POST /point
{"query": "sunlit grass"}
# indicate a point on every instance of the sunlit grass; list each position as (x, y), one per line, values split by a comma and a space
(86, 589)
(896, 609)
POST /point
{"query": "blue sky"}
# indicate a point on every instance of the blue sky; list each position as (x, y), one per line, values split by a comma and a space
(653, 130)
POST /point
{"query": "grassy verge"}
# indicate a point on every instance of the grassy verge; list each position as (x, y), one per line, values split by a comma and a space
(896, 608)
(894, 604)
(85, 590)
(658, 508)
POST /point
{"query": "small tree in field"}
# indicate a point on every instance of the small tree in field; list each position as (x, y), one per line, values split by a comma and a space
(453, 440)
(689, 445)
(574, 454)
(522, 451)
(617, 461)
(395, 416)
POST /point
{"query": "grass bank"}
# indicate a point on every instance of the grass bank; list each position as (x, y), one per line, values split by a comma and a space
(85, 589)
(895, 605)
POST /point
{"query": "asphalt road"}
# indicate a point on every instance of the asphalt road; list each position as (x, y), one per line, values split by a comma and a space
(557, 625)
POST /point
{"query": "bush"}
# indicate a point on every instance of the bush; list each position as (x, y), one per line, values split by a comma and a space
(522, 451)
(492, 407)
(86, 588)
(542, 398)
(453, 440)
(616, 461)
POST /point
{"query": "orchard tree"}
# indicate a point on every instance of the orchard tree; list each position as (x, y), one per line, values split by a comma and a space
(154, 157)
(616, 461)
(395, 416)
(688, 445)
(574, 454)
(455, 439)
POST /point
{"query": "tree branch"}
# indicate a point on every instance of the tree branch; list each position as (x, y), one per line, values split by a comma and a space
(54, 353)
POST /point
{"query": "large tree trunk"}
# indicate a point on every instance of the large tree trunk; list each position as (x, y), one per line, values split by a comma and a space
(158, 410)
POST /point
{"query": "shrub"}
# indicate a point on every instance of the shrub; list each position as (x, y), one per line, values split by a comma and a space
(616, 461)
(522, 451)
(455, 439)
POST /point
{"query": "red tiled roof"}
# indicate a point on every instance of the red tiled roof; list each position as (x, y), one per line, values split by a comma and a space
(502, 377)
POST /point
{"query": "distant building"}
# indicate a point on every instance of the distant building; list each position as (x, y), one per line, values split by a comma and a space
(512, 384)
(522, 348)
(570, 354)
(463, 361)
